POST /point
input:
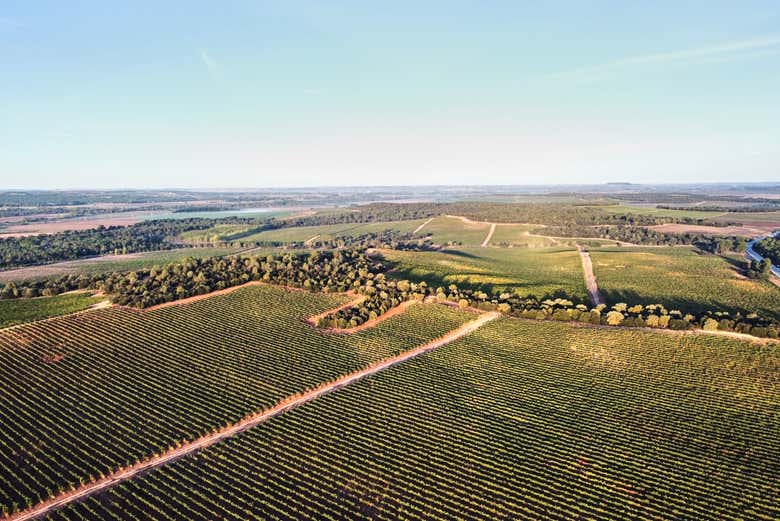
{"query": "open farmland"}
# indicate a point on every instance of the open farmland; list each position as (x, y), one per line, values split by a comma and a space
(622, 209)
(452, 230)
(329, 231)
(542, 272)
(19, 311)
(525, 235)
(84, 394)
(108, 263)
(680, 278)
(519, 420)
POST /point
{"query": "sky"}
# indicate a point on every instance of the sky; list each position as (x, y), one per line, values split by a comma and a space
(150, 94)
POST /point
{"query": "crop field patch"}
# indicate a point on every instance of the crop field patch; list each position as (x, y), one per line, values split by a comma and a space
(452, 230)
(524, 235)
(19, 311)
(84, 394)
(542, 272)
(331, 231)
(680, 279)
(515, 421)
(109, 263)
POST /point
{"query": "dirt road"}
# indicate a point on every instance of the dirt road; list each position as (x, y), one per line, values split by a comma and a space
(248, 422)
(590, 278)
(489, 235)
(423, 225)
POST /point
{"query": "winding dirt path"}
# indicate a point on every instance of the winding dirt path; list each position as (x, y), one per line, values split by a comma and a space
(489, 235)
(590, 278)
(310, 240)
(247, 422)
(423, 225)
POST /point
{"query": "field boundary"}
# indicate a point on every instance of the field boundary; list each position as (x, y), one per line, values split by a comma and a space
(248, 422)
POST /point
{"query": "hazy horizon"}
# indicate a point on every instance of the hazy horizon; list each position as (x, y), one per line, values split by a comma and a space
(305, 94)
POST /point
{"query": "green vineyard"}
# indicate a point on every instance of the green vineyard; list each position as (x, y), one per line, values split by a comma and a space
(520, 420)
(85, 394)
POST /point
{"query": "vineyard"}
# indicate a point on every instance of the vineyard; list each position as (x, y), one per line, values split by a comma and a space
(109, 263)
(451, 230)
(28, 310)
(542, 272)
(520, 420)
(681, 279)
(84, 394)
(329, 231)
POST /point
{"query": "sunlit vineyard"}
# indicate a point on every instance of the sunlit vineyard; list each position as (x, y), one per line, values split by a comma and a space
(681, 279)
(330, 231)
(520, 420)
(19, 311)
(445, 230)
(84, 394)
(541, 272)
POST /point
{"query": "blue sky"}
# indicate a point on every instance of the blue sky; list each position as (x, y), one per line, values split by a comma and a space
(110, 94)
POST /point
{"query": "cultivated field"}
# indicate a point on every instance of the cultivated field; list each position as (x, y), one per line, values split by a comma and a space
(524, 235)
(108, 263)
(542, 272)
(660, 212)
(520, 420)
(23, 310)
(446, 230)
(743, 231)
(681, 279)
(325, 232)
(84, 394)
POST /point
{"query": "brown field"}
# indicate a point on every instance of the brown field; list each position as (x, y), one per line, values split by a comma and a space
(743, 231)
(21, 230)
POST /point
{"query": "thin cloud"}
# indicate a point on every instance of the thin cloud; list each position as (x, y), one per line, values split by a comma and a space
(210, 63)
(730, 51)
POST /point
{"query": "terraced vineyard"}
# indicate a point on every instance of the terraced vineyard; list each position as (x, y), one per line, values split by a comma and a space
(520, 420)
(84, 394)
(680, 279)
(541, 272)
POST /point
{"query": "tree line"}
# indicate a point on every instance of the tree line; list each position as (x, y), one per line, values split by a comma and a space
(352, 269)
(70, 245)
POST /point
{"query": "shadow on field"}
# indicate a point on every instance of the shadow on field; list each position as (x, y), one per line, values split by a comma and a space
(631, 297)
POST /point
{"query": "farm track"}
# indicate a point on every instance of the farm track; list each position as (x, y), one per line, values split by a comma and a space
(489, 235)
(590, 278)
(423, 225)
(248, 422)
(310, 240)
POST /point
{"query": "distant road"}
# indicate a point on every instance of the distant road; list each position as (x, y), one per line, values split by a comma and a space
(754, 255)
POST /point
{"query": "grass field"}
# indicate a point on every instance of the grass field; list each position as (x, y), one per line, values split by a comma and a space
(330, 231)
(680, 279)
(82, 395)
(109, 263)
(21, 310)
(542, 272)
(660, 212)
(520, 420)
(520, 235)
(451, 230)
